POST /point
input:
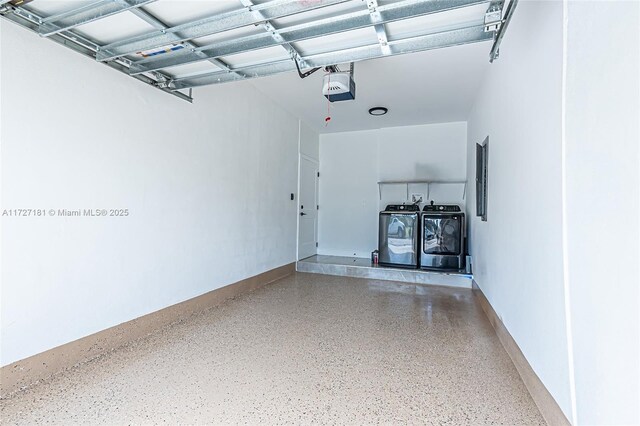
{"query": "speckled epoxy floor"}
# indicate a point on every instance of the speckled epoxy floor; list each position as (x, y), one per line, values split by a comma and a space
(307, 349)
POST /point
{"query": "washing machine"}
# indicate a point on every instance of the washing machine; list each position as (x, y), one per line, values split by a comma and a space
(443, 237)
(399, 236)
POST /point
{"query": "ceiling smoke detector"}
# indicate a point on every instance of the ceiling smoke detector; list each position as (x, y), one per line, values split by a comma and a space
(378, 111)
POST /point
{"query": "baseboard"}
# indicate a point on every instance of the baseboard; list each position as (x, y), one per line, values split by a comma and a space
(548, 406)
(28, 371)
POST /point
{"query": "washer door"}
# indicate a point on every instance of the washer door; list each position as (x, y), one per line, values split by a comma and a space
(442, 234)
(398, 239)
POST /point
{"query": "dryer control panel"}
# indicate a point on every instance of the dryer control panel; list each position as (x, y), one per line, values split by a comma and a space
(441, 208)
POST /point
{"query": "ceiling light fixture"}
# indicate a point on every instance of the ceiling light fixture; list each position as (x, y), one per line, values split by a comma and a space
(378, 111)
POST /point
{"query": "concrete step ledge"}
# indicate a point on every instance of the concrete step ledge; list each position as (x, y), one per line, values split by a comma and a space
(362, 268)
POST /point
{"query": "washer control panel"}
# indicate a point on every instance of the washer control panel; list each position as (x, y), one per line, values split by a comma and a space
(402, 208)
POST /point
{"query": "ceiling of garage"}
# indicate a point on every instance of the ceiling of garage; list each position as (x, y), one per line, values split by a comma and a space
(437, 86)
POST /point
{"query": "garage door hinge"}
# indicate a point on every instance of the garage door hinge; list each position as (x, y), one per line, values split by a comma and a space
(316, 244)
(318, 174)
(317, 207)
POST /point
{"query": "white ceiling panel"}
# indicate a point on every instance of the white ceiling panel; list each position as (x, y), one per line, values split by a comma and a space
(189, 70)
(51, 7)
(256, 56)
(176, 12)
(113, 28)
(437, 22)
(361, 37)
(321, 13)
(229, 35)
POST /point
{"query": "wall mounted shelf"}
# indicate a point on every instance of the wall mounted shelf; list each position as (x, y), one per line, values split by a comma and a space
(422, 182)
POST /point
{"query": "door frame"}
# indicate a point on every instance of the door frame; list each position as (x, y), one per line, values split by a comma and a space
(302, 156)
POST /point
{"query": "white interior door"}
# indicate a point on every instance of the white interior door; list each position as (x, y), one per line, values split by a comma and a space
(308, 208)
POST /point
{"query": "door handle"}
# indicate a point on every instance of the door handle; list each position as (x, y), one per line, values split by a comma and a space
(303, 214)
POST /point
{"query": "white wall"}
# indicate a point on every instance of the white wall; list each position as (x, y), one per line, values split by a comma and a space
(207, 186)
(351, 164)
(570, 301)
(309, 141)
(602, 180)
(517, 253)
